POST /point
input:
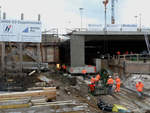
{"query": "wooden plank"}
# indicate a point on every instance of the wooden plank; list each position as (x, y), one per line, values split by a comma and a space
(14, 98)
(49, 88)
(14, 102)
(50, 94)
(52, 108)
(41, 88)
(41, 101)
(15, 106)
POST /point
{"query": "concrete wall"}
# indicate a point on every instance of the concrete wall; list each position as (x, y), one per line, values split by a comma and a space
(77, 51)
(125, 67)
(50, 54)
(137, 67)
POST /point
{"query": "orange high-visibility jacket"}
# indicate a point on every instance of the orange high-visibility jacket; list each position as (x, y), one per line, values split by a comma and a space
(64, 67)
(139, 86)
(118, 81)
(97, 77)
(110, 81)
(118, 52)
(83, 71)
(92, 80)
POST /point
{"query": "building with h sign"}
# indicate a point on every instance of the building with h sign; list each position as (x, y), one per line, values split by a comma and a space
(20, 31)
(26, 50)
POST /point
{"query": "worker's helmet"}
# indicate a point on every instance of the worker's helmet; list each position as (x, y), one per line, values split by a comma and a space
(110, 76)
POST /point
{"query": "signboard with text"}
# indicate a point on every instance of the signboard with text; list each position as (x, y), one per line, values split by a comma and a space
(113, 27)
(129, 27)
(95, 27)
(20, 31)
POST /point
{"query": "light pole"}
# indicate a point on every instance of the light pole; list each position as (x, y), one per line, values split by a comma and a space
(140, 20)
(136, 19)
(0, 13)
(81, 13)
(105, 16)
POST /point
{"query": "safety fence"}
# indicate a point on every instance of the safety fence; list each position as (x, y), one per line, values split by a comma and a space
(135, 57)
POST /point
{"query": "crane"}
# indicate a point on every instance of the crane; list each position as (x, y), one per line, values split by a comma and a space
(105, 2)
(112, 9)
(112, 12)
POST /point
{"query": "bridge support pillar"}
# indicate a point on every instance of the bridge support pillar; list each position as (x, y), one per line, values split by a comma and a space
(77, 51)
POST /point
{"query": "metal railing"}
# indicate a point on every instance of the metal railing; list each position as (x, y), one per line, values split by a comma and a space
(70, 30)
(135, 57)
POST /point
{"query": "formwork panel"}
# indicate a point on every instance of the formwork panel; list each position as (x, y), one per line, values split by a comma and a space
(50, 54)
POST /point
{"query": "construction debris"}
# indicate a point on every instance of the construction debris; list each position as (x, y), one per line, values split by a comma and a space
(44, 79)
(41, 106)
(32, 72)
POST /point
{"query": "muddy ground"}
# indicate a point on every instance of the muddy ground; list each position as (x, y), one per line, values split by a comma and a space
(75, 88)
(126, 97)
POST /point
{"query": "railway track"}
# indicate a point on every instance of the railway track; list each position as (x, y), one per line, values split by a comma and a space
(91, 104)
(130, 98)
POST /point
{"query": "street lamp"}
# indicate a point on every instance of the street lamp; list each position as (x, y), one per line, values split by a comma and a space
(81, 13)
(135, 19)
(140, 20)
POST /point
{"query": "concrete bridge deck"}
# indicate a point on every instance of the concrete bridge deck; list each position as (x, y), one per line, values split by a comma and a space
(112, 41)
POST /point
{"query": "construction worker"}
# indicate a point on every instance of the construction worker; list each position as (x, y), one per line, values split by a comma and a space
(118, 53)
(92, 85)
(118, 82)
(110, 82)
(58, 67)
(127, 52)
(84, 73)
(93, 80)
(64, 68)
(97, 78)
(139, 88)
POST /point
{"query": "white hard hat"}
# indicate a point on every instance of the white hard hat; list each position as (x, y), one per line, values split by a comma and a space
(109, 76)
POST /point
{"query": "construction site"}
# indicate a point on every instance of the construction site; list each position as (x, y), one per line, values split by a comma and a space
(100, 69)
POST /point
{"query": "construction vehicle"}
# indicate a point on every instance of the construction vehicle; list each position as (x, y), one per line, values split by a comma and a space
(101, 87)
(78, 70)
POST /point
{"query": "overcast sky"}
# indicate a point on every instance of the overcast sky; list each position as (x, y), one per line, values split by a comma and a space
(65, 13)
